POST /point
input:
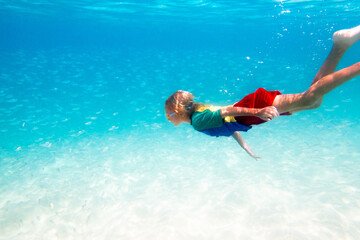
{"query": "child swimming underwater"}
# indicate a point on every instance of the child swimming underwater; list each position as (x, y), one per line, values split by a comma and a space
(262, 106)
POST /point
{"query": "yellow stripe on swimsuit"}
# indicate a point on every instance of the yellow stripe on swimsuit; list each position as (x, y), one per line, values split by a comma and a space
(208, 120)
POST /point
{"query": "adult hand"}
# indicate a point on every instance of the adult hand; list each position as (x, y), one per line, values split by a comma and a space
(268, 113)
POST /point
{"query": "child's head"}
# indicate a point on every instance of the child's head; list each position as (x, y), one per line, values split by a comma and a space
(178, 107)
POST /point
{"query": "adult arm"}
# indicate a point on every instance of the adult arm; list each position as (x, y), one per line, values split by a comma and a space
(266, 113)
(240, 140)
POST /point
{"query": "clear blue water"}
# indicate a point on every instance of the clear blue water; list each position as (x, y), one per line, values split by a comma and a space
(87, 153)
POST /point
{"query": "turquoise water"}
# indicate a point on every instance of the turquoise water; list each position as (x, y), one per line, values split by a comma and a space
(86, 151)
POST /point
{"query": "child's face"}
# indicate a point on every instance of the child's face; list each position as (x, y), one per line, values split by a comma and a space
(175, 119)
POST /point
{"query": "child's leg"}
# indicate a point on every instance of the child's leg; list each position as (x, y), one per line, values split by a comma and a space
(309, 99)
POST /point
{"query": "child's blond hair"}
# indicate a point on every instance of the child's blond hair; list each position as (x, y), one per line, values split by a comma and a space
(182, 102)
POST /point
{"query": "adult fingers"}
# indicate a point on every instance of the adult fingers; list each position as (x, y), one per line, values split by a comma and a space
(274, 111)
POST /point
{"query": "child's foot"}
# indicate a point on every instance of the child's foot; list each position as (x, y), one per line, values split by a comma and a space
(346, 37)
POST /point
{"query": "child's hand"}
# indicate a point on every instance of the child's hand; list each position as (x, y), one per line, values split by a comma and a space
(250, 152)
(240, 140)
(268, 113)
(254, 156)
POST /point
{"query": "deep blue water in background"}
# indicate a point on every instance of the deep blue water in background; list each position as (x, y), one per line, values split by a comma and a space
(86, 151)
(169, 24)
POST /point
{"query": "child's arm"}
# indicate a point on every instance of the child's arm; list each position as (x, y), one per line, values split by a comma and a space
(266, 113)
(240, 140)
